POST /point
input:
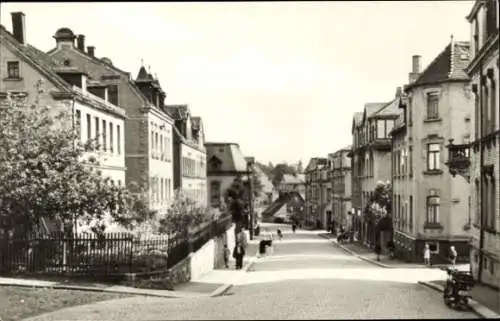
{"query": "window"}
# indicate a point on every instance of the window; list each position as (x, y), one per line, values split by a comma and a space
(477, 113)
(409, 107)
(118, 140)
(493, 105)
(410, 160)
(162, 190)
(491, 205)
(433, 156)
(111, 137)
(96, 119)
(433, 209)
(410, 219)
(162, 146)
(13, 70)
(104, 135)
(89, 127)
(469, 210)
(113, 94)
(78, 122)
(432, 106)
(156, 146)
(477, 212)
(153, 152)
(485, 122)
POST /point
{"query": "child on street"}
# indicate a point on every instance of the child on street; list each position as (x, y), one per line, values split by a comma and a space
(227, 252)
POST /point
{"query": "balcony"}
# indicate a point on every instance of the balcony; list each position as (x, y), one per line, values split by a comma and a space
(459, 159)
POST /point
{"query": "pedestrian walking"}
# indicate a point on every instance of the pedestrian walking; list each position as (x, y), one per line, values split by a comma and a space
(238, 254)
(427, 255)
(294, 227)
(453, 255)
(280, 234)
(227, 253)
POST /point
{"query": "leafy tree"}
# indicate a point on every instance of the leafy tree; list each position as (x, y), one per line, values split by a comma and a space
(378, 210)
(279, 171)
(183, 214)
(46, 172)
(236, 199)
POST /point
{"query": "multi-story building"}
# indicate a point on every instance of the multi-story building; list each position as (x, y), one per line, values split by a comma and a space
(148, 129)
(225, 162)
(341, 187)
(372, 153)
(292, 183)
(65, 88)
(429, 204)
(482, 169)
(316, 174)
(190, 156)
(356, 164)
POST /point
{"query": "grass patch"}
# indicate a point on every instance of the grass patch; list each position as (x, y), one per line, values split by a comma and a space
(17, 303)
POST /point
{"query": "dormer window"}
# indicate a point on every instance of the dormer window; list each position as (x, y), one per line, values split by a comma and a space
(13, 70)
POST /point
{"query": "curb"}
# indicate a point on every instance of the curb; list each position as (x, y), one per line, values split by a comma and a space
(225, 287)
(476, 307)
(357, 255)
(143, 292)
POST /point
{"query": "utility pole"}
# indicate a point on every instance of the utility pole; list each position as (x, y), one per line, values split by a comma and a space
(250, 164)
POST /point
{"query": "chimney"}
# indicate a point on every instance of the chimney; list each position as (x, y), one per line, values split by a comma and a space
(91, 51)
(398, 92)
(80, 42)
(19, 26)
(416, 65)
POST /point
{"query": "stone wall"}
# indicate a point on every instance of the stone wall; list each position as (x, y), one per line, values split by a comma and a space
(202, 261)
(226, 238)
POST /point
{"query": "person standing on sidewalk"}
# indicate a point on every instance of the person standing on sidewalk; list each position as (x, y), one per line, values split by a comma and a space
(427, 255)
(238, 254)
(453, 255)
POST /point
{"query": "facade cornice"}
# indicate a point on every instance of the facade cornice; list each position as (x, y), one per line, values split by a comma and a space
(485, 51)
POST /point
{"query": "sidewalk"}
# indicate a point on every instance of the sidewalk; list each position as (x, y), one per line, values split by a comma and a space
(369, 255)
(95, 287)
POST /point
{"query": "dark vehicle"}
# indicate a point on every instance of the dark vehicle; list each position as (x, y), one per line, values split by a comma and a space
(456, 293)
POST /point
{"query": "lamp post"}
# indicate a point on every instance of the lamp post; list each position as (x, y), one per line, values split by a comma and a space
(250, 164)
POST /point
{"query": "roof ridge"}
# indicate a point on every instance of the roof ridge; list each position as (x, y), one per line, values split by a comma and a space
(452, 57)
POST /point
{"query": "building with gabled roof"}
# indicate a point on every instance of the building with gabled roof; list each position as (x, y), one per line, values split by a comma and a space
(149, 133)
(225, 162)
(190, 155)
(371, 157)
(26, 70)
(429, 204)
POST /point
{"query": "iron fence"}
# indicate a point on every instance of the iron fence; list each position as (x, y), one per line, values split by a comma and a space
(87, 254)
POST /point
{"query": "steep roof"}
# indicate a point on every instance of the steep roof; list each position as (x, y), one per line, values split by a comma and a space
(390, 109)
(177, 112)
(371, 108)
(46, 65)
(316, 162)
(228, 155)
(450, 64)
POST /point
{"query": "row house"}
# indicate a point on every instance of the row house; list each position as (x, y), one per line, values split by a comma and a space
(148, 128)
(430, 206)
(372, 153)
(225, 163)
(65, 88)
(189, 154)
(479, 161)
(316, 177)
(356, 166)
(341, 188)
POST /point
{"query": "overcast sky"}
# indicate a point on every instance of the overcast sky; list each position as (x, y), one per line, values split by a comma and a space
(282, 79)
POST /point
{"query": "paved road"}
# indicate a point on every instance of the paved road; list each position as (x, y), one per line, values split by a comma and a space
(307, 277)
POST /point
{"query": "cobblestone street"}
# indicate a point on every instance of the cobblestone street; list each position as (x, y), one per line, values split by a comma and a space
(307, 277)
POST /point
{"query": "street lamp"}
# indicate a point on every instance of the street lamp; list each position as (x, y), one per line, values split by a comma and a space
(250, 172)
